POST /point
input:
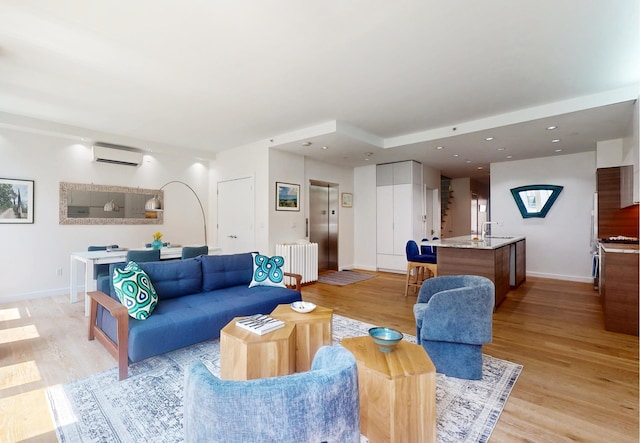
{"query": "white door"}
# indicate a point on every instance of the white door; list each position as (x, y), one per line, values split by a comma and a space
(236, 206)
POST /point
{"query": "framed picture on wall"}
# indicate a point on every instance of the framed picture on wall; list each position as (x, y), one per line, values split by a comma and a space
(287, 197)
(347, 200)
(16, 201)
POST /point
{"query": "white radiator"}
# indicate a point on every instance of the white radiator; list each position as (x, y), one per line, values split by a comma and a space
(300, 259)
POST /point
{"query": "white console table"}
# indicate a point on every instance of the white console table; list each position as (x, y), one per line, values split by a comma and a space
(88, 259)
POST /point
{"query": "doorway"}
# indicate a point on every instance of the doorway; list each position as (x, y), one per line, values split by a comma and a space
(236, 221)
(323, 223)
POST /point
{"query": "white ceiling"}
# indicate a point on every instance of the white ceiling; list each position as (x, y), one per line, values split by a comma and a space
(394, 79)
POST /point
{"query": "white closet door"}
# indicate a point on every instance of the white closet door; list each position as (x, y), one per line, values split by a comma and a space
(402, 217)
(384, 227)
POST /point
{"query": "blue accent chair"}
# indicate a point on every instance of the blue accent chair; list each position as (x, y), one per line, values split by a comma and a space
(454, 316)
(194, 251)
(143, 256)
(321, 405)
(102, 269)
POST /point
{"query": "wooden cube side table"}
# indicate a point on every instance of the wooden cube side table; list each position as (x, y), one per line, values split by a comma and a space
(397, 392)
(313, 330)
(245, 355)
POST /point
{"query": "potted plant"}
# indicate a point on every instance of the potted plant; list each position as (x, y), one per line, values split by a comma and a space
(157, 240)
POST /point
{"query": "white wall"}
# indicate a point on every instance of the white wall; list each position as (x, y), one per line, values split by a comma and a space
(315, 170)
(33, 253)
(558, 246)
(286, 226)
(364, 217)
(250, 160)
(460, 221)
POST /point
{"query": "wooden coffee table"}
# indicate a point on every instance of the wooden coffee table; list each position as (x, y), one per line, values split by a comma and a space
(313, 330)
(245, 355)
(397, 392)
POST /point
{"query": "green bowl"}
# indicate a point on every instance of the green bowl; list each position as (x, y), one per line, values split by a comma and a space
(385, 338)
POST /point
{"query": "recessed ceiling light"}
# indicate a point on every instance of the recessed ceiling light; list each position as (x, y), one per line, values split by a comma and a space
(555, 140)
(557, 150)
(501, 149)
(456, 155)
(551, 128)
(306, 143)
(467, 161)
(480, 167)
(366, 159)
(489, 139)
(439, 148)
(509, 156)
(324, 148)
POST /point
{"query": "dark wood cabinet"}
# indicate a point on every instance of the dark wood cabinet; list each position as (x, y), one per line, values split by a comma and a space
(626, 186)
(612, 219)
(520, 263)
(619, 291)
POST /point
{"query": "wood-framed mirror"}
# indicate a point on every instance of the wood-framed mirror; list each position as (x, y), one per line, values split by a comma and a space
(91, 204)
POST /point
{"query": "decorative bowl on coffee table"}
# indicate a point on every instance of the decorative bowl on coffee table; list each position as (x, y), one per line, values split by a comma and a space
(385, 338)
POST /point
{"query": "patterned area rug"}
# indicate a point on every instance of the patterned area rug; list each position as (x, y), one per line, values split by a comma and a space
(148, 405)
(344, 278)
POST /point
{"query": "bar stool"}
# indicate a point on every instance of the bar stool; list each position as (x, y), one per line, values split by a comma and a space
(421, 265)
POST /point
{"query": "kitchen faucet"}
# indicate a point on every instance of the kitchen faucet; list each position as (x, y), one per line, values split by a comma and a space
(484, 227)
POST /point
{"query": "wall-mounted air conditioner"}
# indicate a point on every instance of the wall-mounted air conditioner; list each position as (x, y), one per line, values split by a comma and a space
(116, 154)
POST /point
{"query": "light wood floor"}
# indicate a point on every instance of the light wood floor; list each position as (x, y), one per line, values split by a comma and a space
(579, 382)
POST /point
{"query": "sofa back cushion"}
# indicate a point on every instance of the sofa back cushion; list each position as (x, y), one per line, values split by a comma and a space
(224, 271)
(174, 278)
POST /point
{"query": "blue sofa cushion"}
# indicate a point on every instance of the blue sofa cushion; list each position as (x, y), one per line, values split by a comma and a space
(224, 271)
(174, 278)
(135, 290)
(267, 271)
(194, 318)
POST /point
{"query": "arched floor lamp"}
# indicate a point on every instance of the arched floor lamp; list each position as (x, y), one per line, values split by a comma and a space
(155, 205)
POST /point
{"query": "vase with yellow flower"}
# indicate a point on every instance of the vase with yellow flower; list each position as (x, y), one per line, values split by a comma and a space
(157, 240)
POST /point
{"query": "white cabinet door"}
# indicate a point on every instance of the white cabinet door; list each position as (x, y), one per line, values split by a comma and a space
(402, 217)
(384, 227)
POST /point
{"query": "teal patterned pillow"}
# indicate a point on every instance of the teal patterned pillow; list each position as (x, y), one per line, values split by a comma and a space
(267, 271)
(135, 291)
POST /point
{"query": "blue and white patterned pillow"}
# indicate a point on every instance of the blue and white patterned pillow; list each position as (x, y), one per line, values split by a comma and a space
(135, 291)
(267, 271)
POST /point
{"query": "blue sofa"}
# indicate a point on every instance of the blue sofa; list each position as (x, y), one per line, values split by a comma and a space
(197, 297)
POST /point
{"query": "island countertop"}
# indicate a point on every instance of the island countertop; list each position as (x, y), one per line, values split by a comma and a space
(468, 241)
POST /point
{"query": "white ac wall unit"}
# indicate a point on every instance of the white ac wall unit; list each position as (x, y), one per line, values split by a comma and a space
(116, 154)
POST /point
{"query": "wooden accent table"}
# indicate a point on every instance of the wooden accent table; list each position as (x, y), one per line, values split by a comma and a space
(245, 355)
(313, 330)
(397, 392)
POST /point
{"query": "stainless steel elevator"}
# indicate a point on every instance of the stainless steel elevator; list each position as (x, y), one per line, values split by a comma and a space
(323, 222)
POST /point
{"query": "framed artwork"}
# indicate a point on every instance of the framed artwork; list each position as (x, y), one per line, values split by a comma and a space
(287, 197)
(347, 200)
(16, 201)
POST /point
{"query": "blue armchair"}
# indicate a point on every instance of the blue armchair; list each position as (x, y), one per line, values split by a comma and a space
(454, 317)
(321, 405)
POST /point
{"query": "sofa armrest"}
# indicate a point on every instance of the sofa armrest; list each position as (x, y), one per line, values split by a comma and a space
(119, 350)
(298, 279)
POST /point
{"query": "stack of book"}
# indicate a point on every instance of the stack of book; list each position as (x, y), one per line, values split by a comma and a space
(260, 324)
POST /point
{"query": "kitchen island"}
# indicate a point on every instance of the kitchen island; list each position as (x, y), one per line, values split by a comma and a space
(502, 259)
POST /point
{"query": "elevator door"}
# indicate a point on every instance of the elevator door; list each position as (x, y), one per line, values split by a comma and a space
(323, 223)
